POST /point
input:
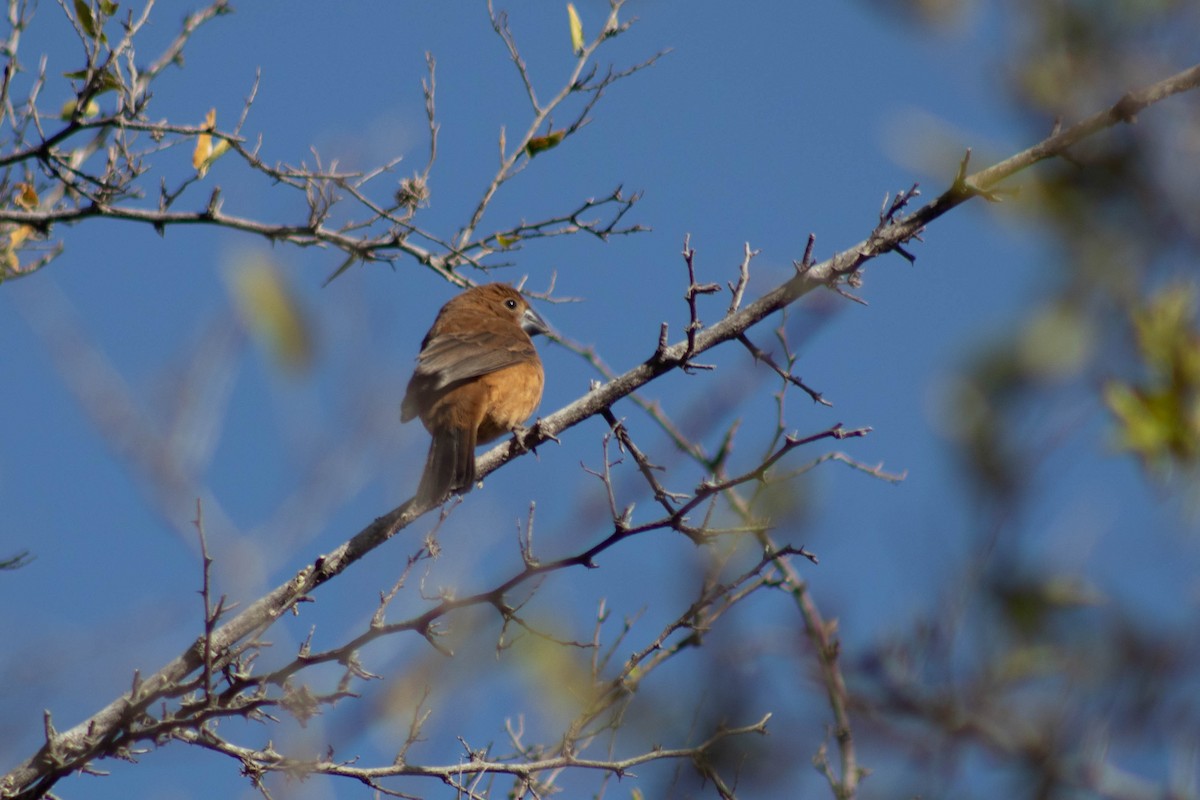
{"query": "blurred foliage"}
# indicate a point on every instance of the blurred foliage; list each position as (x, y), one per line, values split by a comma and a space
(1159, 417)
(1032, 663)
(1075, 55)
(1050, 683)
(1121, 215)
(937, 14)
(269, 308)
(1046, 350)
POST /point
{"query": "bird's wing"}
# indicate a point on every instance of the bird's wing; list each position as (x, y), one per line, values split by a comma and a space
(452, 357)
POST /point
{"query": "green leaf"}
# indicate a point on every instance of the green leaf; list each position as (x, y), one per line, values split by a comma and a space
(107, 81)
(87, 21)
(540, 143)
(1158, 417)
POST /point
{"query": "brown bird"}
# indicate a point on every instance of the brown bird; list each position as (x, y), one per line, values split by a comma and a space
(478, 377)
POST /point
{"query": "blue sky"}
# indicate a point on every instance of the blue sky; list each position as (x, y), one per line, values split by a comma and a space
(761, 125)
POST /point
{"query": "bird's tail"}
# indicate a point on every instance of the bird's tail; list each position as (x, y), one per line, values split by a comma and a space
(449, 467)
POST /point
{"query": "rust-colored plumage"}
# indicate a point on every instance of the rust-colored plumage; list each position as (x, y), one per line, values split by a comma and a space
(478, 377)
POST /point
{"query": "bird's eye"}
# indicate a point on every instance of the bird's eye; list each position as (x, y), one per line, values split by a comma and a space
(510, 303)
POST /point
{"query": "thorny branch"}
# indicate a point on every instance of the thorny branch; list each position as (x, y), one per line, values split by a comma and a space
(610, 694)
(97, 163)
(516, 158)
(476, 764)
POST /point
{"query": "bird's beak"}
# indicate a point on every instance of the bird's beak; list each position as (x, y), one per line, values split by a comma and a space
(533, 324)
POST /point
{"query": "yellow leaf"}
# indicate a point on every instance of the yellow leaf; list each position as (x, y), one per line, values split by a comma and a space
(203, 150)
(27, 197)
(68, 110)
(539, 143)
(18, 236)
(204, 147)
(9, 263)
(576, 29)
(216, 151)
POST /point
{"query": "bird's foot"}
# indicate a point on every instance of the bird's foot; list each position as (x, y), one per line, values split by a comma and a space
(529, 437)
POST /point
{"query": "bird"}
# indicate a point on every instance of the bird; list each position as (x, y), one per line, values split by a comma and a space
(478, 376)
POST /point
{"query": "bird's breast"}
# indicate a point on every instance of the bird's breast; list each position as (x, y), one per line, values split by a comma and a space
(513, 395)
